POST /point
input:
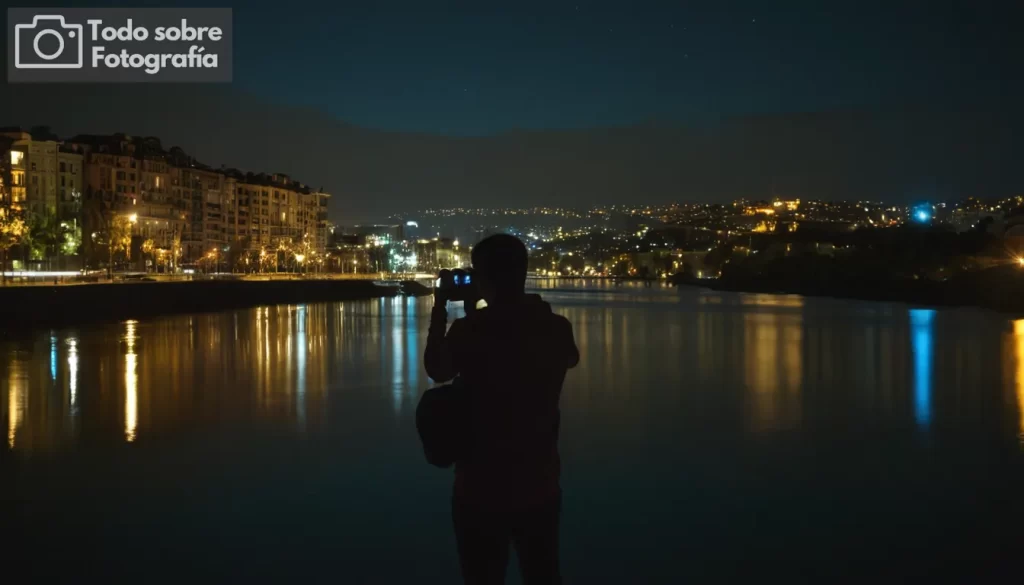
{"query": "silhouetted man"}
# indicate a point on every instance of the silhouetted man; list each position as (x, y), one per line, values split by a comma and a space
(512, 356)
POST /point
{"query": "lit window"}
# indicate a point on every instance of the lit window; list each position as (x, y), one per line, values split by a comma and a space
(16, 157)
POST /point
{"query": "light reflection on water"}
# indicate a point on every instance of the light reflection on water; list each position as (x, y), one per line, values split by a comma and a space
(1018, 331)
(16, 400)
(72, 345)
(286, 360)
(131, 382)
(301, 349)
(298, 419)
(921, 322)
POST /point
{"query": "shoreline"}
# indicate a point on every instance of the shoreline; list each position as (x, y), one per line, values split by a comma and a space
(997, 290)
(37, 306)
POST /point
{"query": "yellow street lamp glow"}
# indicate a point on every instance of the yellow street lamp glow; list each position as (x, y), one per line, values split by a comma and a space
(300, 257)
(133, 218)
(1020, 261)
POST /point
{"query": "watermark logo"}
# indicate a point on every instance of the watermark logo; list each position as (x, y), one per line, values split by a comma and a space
(44, 26)
(119, 45)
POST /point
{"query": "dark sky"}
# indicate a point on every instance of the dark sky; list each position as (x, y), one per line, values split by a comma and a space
(480, 67)
(471, 68)
(399, 105)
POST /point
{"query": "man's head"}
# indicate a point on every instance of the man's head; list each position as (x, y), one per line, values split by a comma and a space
(499, 264)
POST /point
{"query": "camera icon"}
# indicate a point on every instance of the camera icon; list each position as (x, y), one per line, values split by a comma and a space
(55, 44)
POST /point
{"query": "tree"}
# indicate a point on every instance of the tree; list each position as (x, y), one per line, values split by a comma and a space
(266, 260)
(31, 242)
(46, 237)
(175, 251)
(119, 238)
(304, 250)
(94, 219)
(283, 253)
(238, 253)
(12, 233)
(148, 250)
(72, 238)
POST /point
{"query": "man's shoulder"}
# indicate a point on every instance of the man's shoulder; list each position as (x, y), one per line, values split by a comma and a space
(559, 318)
(560, 322)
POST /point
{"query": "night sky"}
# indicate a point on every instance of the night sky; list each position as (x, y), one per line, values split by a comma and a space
(333, 74)
(470, 68)
(477, 67)
(473, 68)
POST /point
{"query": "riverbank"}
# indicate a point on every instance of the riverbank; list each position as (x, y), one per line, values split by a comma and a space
(34, 306)
(998, 289)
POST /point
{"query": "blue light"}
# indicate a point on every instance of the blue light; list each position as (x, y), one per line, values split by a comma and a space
(53, 358)
(921, 212)
(922, 329)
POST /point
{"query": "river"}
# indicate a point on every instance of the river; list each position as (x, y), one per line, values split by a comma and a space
(706, 436)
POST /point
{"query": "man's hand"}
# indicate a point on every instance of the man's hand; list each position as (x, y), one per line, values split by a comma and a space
(440, 297)
(442, 291)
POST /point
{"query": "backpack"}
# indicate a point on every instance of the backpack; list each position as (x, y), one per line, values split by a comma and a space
(443, 423)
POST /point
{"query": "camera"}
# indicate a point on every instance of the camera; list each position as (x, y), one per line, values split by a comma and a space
(48, 43)
(459, 284)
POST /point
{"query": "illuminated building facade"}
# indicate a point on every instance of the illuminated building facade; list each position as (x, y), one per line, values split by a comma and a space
(190, 210)
(206, 198)
(45, 174)
(279, 211)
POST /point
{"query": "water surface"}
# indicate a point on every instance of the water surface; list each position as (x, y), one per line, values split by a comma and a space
(706, 436)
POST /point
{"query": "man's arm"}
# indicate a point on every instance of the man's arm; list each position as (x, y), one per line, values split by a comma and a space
(439, 358)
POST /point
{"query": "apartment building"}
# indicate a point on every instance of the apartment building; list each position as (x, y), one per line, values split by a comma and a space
(182, 206)
(208, 198)
(274, 210)
(45, 174)
(128, 176)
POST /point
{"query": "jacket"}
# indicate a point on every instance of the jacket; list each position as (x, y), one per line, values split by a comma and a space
(512, 358)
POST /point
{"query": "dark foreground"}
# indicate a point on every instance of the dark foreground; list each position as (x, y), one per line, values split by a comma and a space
(707, 437)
